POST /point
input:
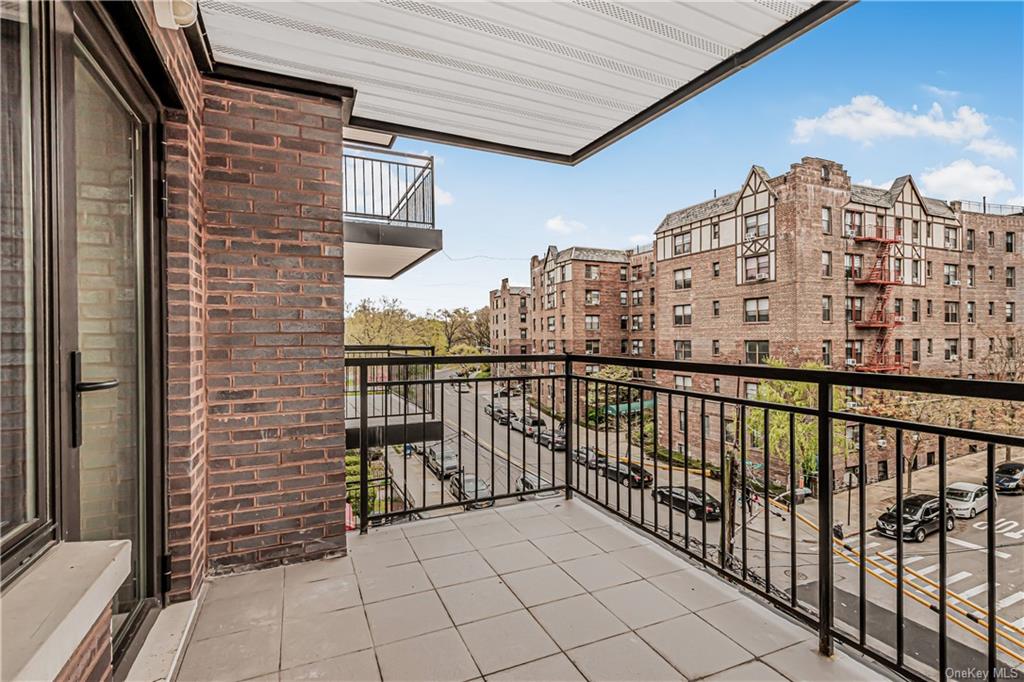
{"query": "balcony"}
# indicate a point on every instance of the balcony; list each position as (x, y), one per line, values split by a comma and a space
(388, 212)
(628, 531)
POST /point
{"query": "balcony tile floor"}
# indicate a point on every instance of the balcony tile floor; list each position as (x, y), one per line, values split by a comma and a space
(546, 590)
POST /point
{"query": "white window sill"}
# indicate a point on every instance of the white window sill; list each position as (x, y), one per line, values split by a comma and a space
(49, 610)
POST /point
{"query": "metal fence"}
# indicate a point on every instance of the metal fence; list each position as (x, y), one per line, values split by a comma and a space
(656, 454)
(388, 187)
(992, 209)
(387, 396)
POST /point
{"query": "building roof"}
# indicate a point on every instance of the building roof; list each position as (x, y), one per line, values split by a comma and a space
(886, 198)
(591, 253)
(705, 209)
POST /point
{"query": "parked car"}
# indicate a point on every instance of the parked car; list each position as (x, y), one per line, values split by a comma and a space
(499, 413)
(468, 487)
(1010, 478)
(967, 499)
(414, 449)
(691, 500)
(590, 458)
(920, 518)
(461, 386)
(551, 439)
(507, 392)
(443, 464)
(528, 424)
(529, 482)
(632, 475)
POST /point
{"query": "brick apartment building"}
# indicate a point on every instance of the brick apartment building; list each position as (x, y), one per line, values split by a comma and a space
(803, 267)
(510, 319)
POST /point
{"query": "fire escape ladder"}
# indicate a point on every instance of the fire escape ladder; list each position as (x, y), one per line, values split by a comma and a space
(881, 320)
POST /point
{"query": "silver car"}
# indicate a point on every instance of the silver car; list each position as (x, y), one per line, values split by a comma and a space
(967, 499)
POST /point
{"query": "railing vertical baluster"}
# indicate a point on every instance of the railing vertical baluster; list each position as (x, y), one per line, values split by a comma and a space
(364, 448)
(861, 522)
(568, 424)
(671, 502)
(766, 450)
(942, 558)
(792, 509)
(728, 509)
(990, 550)
(899, 547)
(703, 478)
(640, 437)
(745, 497)
(825, 646)
(654, 457)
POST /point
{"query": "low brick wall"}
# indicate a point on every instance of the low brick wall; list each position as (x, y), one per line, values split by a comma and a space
(91, 661)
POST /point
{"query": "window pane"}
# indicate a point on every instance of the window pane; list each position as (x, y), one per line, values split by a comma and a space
(17, 319)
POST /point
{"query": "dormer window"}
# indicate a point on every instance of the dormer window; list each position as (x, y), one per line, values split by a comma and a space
(824, 173)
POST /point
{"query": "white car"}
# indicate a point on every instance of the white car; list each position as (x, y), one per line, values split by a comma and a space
(967, 499)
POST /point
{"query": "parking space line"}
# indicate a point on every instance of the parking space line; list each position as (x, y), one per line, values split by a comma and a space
(1009, 601)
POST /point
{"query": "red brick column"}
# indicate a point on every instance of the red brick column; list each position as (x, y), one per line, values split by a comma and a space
(274, 336)
(92, 659)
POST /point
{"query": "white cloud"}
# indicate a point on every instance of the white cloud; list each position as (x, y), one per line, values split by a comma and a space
(867, 118)
(443, 198)
(992, 147)
(868, 182)
(638, 239)
(939, 92)
(962, 179)
(560, 225)
(1016, 201)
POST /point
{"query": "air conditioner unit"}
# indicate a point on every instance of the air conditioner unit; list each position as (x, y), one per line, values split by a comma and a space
(749, 237)
(851, 233)
(852, 404)
(900, 318)
(953, 358)
(955, 282)
(851, 362)
(762, 275)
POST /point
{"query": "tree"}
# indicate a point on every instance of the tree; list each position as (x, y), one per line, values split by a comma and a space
(376, 322)
(1004, 362)
(805, 428)
(479, 333)
(455, 325)
(601, 394)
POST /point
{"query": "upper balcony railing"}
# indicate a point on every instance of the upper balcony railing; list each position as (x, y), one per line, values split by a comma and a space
(388, 187)
(990, 208)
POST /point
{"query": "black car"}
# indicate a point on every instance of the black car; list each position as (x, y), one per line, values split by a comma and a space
(590, 458)
(468, 487)
(552, 439)
(689, 500)
(632, 475)
(920, 518)
(1010, 478)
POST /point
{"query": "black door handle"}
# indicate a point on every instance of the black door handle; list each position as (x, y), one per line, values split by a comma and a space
(78, 387)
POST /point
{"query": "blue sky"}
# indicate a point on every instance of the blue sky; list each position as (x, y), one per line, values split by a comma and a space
(933, 89)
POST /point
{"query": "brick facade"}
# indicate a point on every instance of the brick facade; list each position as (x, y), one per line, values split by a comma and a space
(274, 288)
(510, 319)
(91, 661)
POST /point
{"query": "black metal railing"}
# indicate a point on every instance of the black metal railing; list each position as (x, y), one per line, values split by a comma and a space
(724, 477)
(388, 187)
(386, 396)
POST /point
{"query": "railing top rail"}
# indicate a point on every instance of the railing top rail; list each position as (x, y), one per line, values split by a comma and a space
(429, 160)
(967, 388)
(355, 348)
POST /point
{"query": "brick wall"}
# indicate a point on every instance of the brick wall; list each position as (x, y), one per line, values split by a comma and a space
(91, 661)
(274, 285)
(183, 162)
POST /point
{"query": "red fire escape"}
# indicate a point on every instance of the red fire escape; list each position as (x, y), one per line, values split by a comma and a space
(882, 276)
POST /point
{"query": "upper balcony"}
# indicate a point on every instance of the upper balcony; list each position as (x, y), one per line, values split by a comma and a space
(388, 211)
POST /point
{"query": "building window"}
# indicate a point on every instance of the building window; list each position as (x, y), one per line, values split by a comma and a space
(991, 273)
(970, 275)
(623, 321)
(637, 322)
(826, 220)
(897, 351)
(951, 352)
(1010, 236)
(949, 238)
(593, 297)
(638, 296)
(854, 308)
(682, 243)
(756, 268)
(715, 233)
(1011, 276)
(755, 226)
(593, 347)
(716, 269)
(683, 350)
(969, 240)
(716, 308)
(623, 270)
(826, 308)
(716, 347)
(929, 346)
(563, 322)
(551, 323)
(991, 308)
(755, 310)
(638, 346)
(682, 314)
(826, 352)
(854, 351)
(991, 239)
(853, 264)
(591, 271)
(652, 320)
(684, 383)
(915, 350)
(950, 275)
(897, 307)
(623, 298)
(853, 222)
(915, 310)
(826, 263)
(623, 346)
(1010, 306)
(952, 311)
(928, 269)
(636, 272)
(717, 385)
(755, 352)
(652, 295)
(683, 278)
(970, 348)
(592, 323)
(970, 311)
(928, 307)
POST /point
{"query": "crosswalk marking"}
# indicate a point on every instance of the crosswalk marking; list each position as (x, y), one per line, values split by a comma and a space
(1019, 623)
(971, 545)
(967, 594)
(1009, 601)
(928, 569)
(955, 578)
